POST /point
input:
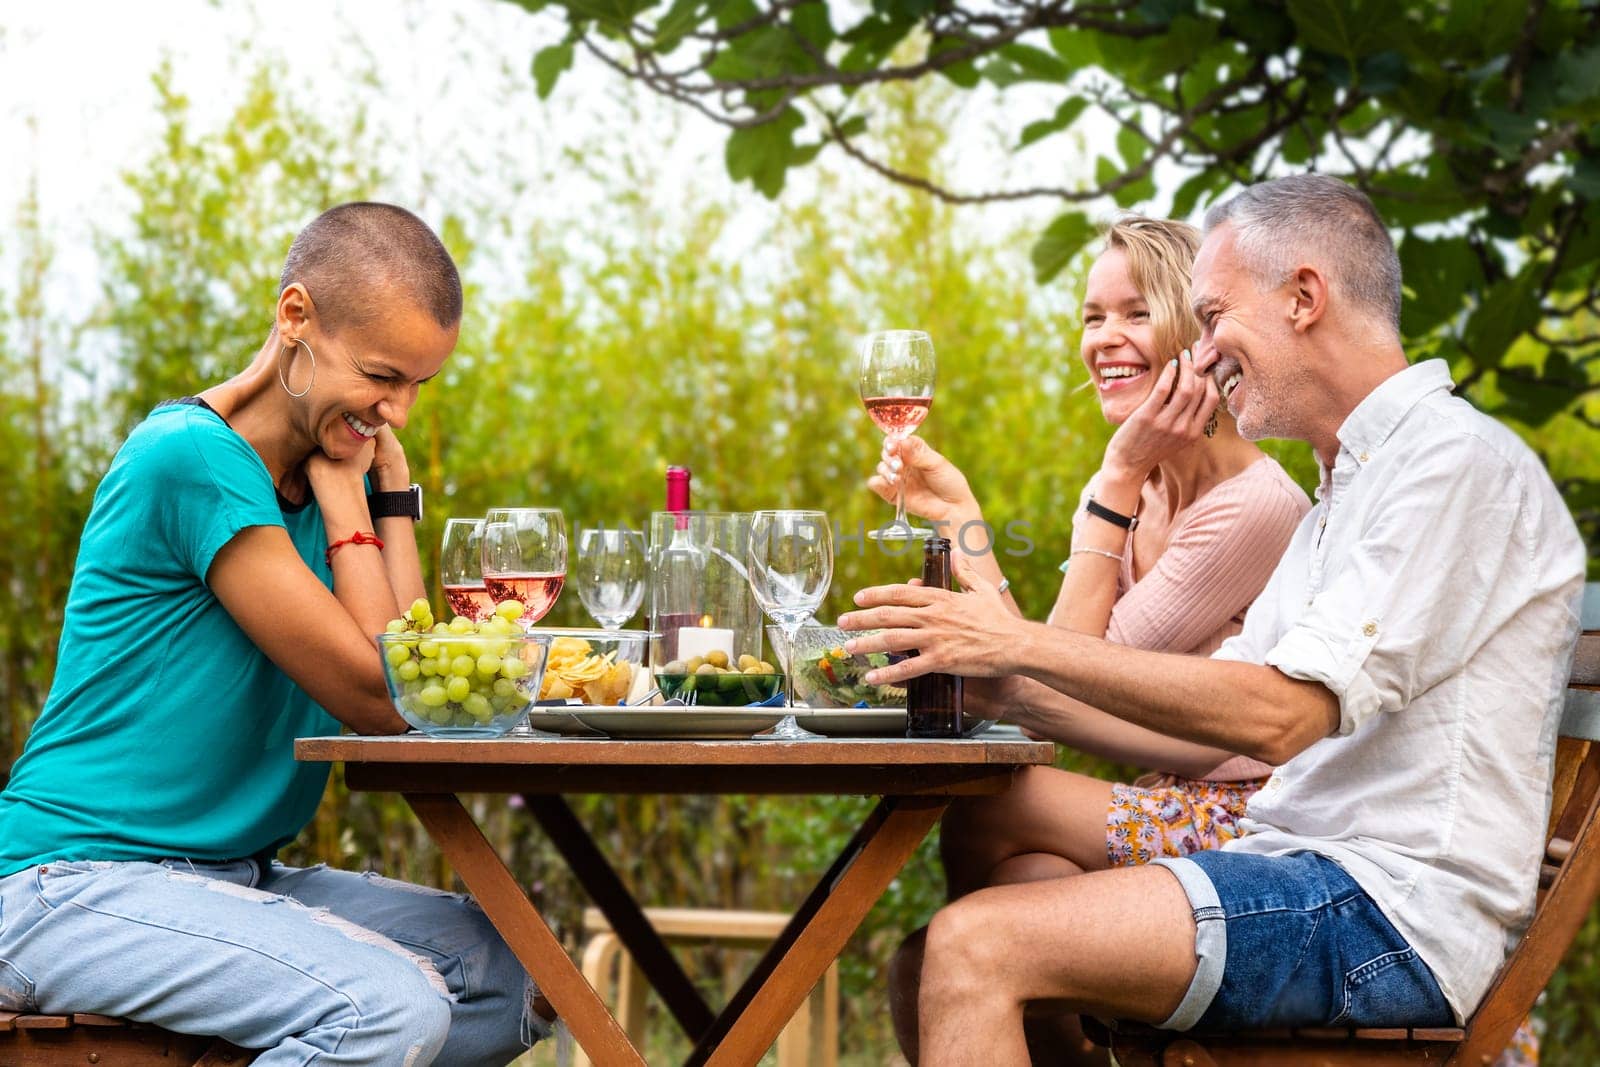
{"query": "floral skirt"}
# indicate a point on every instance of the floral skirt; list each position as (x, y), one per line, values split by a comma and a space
(1168, 815)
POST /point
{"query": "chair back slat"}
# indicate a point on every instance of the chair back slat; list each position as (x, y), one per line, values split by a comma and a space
(1555, 923)
(1586, 662)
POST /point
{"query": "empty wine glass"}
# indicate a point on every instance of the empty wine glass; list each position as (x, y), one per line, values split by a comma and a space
(790, 560)
(524, 558)
(896, 383)
(461, 569)
(610, 574)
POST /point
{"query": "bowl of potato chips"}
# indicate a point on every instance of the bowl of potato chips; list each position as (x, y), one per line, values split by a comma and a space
(599, 667)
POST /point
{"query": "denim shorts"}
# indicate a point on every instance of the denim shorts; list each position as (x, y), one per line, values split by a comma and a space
(1294, 941)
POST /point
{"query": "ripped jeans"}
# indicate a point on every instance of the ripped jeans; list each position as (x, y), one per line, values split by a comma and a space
(316, 966)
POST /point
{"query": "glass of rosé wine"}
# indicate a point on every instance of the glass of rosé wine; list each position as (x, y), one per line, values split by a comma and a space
(461, 569)
(896, 381)
(524, 558)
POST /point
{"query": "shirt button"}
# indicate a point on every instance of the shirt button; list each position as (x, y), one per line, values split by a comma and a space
(1274, 783)
(1362, 457)
(1369, 628)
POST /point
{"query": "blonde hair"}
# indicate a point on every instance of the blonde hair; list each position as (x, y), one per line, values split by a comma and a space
(1160, 256)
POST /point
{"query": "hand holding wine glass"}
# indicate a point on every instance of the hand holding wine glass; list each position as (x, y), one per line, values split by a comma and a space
(896, 383)
(790, 563)
(932, 486)
(525, 558)
(610, 574)
(461, 569)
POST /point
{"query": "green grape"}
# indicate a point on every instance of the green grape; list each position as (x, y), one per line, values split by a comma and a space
(463, 665)
(440, 716)
(510, 610)
(478, 707)
(408, 671)
(504, 687)
(513, 668)
(457, 689)
(440, 628)
(396, 626)
(397, 654)
(461, 625)
(434, 696)
(428, 649)
(488, 665)
(428, 668)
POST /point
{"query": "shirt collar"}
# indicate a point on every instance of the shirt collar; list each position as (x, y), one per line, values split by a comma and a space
(1367, 427)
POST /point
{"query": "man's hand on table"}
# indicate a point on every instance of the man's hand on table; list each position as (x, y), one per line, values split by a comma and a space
(971, 633)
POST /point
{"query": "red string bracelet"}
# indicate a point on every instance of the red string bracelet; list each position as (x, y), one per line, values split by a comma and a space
(360, 537)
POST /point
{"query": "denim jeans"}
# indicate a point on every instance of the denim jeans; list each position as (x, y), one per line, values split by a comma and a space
(316, 966)
(1294, 941)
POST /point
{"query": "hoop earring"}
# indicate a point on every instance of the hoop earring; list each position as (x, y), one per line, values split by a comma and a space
(284, 381)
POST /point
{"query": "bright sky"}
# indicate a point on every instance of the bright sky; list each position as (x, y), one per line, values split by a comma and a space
(453, 95)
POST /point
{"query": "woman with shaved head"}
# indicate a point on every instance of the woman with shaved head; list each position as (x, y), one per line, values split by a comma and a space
(231, 571)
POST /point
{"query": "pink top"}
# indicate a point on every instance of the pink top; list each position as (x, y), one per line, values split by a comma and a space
(1215, 565)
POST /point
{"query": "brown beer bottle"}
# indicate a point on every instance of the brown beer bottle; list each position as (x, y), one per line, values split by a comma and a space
(933, 701)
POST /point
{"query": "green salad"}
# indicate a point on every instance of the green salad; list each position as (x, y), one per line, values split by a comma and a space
(835, 674)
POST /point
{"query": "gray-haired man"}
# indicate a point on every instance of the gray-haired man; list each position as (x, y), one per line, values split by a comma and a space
(1403, 667)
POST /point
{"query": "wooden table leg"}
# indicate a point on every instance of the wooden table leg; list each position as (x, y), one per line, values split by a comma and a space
(818, 931)
(600, 880)
(519, 922)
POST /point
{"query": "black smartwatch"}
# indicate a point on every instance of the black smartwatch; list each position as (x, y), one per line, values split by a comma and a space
(407, 503)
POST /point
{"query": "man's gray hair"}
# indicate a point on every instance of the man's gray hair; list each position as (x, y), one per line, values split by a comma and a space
(1312, 218)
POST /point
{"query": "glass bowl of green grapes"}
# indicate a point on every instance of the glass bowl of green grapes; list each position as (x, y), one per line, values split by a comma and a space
(462, 678)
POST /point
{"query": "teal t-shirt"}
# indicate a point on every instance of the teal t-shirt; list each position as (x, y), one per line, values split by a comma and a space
(167, 732)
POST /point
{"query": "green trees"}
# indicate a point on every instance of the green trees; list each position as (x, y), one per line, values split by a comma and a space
(1474, 126)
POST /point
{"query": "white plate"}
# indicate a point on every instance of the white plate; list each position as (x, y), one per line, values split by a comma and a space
(703, 723)
(558, 721)
(853, 722)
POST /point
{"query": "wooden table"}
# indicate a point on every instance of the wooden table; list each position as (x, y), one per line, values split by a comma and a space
(915, 779)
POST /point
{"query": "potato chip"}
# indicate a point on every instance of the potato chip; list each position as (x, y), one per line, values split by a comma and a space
(611, 688)
(554, 688)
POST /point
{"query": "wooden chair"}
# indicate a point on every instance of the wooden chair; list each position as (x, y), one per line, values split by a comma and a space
(812, 1036)
(1569, 880)
(76, 1040)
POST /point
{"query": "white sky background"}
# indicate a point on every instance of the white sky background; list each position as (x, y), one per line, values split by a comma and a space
(454, 100)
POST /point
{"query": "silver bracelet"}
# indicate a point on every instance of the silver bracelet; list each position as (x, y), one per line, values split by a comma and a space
(1098, 552)
(1005, 583)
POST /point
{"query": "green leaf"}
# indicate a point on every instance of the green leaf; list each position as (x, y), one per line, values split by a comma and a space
(1131, 146)
(1348, 28)
(548, 65)
(1062, 240)
(1438, 275)
(1036, 63)
(810, 20)
(1382, 73)
(1508, 309)
(763, 154)
(679, 21)
(1190, 192)
(1064, 117)
(1105, 171)
(871, 40)
(1078, 48)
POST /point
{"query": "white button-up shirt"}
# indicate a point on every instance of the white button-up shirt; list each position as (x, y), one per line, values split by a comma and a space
(1434, 589)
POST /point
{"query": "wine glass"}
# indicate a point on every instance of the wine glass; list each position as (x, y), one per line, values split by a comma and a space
(525, 558)
(790, 560)
(896, 382)
(461, 569)
(610, 574)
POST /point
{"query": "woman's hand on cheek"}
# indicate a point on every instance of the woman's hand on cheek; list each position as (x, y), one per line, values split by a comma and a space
(389, 470)
(1162, 425)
